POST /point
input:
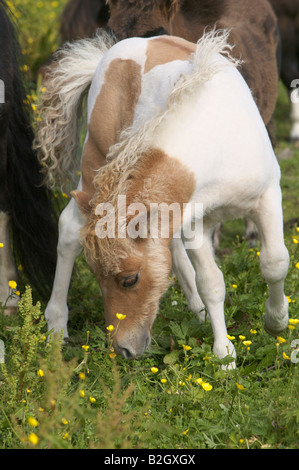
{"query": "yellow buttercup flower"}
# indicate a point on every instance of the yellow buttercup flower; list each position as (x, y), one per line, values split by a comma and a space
(33, 438)
(110, 328)
(82, 393)
(32, 422)
(154, 370)
(92, 399)
(82, 376)
(235, 286)
(120, 316)
(247, 343)
(230, 337)
(40, 373)
(1, 245)
(285, 356)
(206, 386)
(242, 337)
(85, 347)
(294, 321)
(240, 386)
(280, 339)
(186, 347)
(163, 381)
(12, 284)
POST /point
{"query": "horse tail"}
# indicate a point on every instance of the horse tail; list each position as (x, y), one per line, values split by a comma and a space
(67, 80)
(28, 202)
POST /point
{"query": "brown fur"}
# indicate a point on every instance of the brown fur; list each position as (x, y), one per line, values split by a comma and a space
(162, 50)
(113, 112)
(287, 12)
(254, 32)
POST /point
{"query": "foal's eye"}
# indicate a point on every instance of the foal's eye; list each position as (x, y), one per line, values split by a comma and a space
(130, 280)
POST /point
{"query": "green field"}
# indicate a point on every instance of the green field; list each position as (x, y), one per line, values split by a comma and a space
(80, 396)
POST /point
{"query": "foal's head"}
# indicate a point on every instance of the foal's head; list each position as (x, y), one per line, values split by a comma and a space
(141, 18)
(133, 275)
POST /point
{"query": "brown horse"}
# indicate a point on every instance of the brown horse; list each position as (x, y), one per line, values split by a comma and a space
(253, 25)
(287, 12)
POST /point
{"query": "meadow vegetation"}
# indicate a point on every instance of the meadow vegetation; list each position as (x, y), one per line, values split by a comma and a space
(177, 396)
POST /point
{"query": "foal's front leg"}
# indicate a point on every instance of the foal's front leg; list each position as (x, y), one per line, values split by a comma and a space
(185, 274)
(211, 289)
(68, 249)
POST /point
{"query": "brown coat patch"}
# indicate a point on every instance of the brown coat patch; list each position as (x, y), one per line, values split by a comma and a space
(166, 49)
(112, 113)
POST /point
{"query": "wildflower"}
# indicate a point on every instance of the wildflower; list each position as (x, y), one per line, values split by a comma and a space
(234, 286)
(206, 358)
(199, 381)
(163, 381)
(65, 435)
(85, 347)
(28, 390)
(154, 370)
(289, 299)
(285, 356)
(297, 229)
(43, 89)
(33, 438)
(291, 327)
(112, 355)
(64, 421)
(82, 393)
(182, 384)
(65, 195)
(32, 422)
(258, 253)
(253, 332)
(20, 267)
(230, 337)
(120, 316)
(41, 409)
(241, 441)
(297, 265)
(280, 339)
(12, 284)
(295, 240)
(40, 373)
(82, 376)
(294, 321)
(186, 347)
(110, 328)
(185, 432)
(1, 245)
(240, 386)
(92, 399)
(54, 4)
(242, 337)
(247, 343)
(206, 386)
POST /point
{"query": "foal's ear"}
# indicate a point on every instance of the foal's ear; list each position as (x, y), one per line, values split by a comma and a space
(83, 200)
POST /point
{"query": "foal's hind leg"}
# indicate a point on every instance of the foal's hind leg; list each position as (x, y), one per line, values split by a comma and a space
(274, 258)
(69, 248)
(186, 277)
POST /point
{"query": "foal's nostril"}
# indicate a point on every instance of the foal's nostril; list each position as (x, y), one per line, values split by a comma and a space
(127, 353)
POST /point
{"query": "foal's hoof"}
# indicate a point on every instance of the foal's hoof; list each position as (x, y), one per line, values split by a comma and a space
(276, 322)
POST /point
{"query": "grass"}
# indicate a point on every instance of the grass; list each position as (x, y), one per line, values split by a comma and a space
(174, 397)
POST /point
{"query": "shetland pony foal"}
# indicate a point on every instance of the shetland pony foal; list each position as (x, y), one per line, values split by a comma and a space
(191, 133)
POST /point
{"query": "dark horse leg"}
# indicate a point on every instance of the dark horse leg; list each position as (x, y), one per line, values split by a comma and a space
(24, 200)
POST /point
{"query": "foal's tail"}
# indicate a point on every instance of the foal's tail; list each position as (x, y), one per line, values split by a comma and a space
(66, 81)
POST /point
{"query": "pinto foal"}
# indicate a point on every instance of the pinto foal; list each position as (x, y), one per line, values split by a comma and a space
(168, 122)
